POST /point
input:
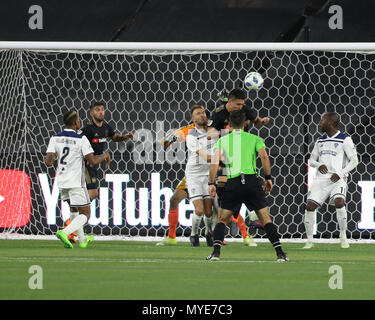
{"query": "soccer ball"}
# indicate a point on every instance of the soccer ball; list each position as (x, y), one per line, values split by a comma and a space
(253, 81)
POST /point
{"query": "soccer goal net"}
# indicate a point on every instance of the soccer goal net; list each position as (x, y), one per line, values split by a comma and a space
(148, 89)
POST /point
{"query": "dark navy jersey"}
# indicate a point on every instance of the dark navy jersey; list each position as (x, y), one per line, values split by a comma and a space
(97, 136)
(220, 117)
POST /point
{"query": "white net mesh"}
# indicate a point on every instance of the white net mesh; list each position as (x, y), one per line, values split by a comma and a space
(150, 93)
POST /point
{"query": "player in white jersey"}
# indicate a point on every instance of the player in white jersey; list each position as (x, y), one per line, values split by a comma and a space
(334, 155)
(197, 171)
(70, 149)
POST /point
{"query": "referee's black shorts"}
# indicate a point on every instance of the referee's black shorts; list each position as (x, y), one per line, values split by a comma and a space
(251, 194)
(91, 175)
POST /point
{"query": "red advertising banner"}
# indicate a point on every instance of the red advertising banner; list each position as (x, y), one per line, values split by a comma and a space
(15, 198)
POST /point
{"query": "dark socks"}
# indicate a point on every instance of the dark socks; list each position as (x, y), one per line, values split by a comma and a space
(273, 236)
(219, 233)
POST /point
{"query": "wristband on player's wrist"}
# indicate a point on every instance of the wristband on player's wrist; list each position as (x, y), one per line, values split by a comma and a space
(212, 184)
(267, 177)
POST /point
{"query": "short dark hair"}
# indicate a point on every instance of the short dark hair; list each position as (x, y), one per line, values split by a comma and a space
(237, 118)
(70, 117)
(237, 93)
(95, 104)
(194, 107)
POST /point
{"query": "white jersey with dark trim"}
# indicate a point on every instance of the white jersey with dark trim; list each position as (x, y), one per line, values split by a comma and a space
(70, 149)
(335, 153)
(197, 140)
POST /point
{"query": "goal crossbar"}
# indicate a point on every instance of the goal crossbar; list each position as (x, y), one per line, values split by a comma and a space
(190, 46)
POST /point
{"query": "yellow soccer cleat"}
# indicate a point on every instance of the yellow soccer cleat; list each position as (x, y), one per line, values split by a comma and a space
(308, 245)
(167, 242)
(249, 241)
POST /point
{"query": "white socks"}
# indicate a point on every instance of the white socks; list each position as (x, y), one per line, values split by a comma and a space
(77, 223)
(207, 222)
(80, 233)
(342, 220)
(195, 224)
(309, 220)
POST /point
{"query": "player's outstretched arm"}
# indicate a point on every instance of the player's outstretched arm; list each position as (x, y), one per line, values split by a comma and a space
(261, 121)
(122, 137)
(95, 160)
(50, 158)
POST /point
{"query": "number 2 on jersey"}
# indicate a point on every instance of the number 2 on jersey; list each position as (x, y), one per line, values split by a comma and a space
(65, 153)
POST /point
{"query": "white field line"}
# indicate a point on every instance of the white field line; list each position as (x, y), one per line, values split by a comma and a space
(98, 260)
(15, 236)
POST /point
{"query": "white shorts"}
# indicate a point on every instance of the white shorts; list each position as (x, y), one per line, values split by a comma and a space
(322, 189)
(77, 197)
(197, 187)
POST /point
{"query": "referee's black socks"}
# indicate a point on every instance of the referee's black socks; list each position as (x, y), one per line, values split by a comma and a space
(273, 236)
(219, 233)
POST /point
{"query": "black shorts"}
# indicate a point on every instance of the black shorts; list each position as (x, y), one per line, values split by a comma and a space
(251, 194)
(91, 175)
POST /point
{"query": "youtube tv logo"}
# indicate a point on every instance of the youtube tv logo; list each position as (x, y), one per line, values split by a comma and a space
(15, 198)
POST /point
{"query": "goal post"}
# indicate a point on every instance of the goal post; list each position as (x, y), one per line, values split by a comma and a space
(148, 88)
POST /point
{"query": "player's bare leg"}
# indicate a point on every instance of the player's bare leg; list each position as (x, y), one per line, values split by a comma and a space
(309, 221)
(178, 196)
(272, 234)
(342, 221)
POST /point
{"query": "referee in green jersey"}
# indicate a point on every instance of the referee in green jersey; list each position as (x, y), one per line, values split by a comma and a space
(238, 150)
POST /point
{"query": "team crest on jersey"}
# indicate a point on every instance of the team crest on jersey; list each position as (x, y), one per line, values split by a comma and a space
(336, 144)
(96, 135)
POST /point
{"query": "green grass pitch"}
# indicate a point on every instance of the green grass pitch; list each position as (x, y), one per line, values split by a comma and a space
(130, 270)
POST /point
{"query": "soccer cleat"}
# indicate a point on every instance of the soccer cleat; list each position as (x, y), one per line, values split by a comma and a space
(64, 238)
(344, 242)
(308, 245)
(167, 242)
(282, 257)
(249, 241)
(88, 240)
(194, 241)
(213, 257)
(209, 239)
(255, 224)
